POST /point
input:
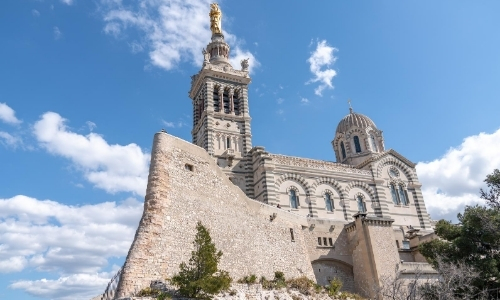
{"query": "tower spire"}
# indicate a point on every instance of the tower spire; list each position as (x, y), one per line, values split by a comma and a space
(217, 51)
(350, 107)
(215, 19)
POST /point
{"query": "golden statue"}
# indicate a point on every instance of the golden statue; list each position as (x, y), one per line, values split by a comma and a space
(215, 19)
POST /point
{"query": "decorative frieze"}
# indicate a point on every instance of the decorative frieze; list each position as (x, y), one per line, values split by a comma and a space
(316, 164)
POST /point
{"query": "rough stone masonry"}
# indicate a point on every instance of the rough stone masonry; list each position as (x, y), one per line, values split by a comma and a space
(186, 186)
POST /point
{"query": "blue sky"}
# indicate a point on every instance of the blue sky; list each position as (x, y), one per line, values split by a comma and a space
(86, 84)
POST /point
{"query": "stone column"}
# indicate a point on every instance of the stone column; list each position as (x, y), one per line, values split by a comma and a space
(221, 99)
(231, 102)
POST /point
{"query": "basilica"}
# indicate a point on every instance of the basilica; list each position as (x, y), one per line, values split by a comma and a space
(358, 219)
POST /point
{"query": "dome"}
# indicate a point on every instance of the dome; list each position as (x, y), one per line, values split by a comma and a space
(354, 119)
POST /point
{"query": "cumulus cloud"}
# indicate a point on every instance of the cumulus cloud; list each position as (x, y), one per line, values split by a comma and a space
(9, 140)
(72, 287)
(74, 241)
(35, 13)
(114, 168)
(51, 236)
(304, 101)
(68, 2)
(453, 181)
(174, 30)
(8, 115)
(320, 61)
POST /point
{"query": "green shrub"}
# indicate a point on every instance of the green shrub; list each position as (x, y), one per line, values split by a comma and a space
(164, 296)
(334, 287)
(279, 280)
(318, 288)
(148, 292)
(200, 278)
(248, 279)
(347, 295)
(302, 284)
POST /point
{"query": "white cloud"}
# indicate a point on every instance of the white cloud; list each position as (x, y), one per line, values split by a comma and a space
(320, 61)
(35, 13)
(9, 140)
(72, 287)
(54, 237)
(91, 125)
(280, 100)
(57, 33)
(114, 168)
(68, 2)
(13, 264)
(73, 241)
(280, 111)
(8, 115)
(304, 101)
(453, 181)
(174, 30)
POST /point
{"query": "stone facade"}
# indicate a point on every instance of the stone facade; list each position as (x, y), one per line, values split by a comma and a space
(356, 219)
(186, 186)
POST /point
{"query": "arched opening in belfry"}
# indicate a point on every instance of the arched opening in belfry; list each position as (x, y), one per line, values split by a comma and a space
(236, 102)
(226, 102)
(216, 99)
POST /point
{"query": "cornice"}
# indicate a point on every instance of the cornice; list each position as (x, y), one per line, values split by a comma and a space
(225, 72)
(384, 154)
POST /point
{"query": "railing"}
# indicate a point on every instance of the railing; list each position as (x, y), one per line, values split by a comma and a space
(109, 293)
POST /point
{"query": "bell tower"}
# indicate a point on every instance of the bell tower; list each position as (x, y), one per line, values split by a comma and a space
(221, 120)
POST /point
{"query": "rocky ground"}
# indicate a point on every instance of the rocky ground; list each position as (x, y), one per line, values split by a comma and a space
(256, 292)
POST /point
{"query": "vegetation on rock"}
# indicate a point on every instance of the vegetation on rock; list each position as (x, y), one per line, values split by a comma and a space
(200, 278)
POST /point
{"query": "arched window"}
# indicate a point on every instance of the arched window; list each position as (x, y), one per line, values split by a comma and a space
(394, 194)
(236, 102)
(374, 144)
(294, 199)
(216, 99)
(225, 101)
(361, 204)
(343, 149)
(357, 145)
(402, 195)
(329, 202)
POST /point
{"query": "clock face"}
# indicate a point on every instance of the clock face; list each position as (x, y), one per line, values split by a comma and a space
(393, 173)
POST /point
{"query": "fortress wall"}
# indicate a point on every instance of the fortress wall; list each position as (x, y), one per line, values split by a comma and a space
(177, 198)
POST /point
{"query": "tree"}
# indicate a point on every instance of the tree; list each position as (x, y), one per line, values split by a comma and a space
(475, 241)
(200, 277)
(454, 283)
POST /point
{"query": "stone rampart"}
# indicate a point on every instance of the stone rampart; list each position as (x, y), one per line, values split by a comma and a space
(186, 186)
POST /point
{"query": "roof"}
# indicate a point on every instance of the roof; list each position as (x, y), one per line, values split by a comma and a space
(354, 119)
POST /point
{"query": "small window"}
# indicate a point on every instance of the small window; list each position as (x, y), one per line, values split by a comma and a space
(357, 145)
(291, 235)
(294, 201)
(319, 241)
(361, 204)
(406, 245)
(397, 244)
(228, 143)
(188, 167)
(328, 202)
(330, 241)
(342, 148)
(395, 197)
(402, 195)
(324, 241)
